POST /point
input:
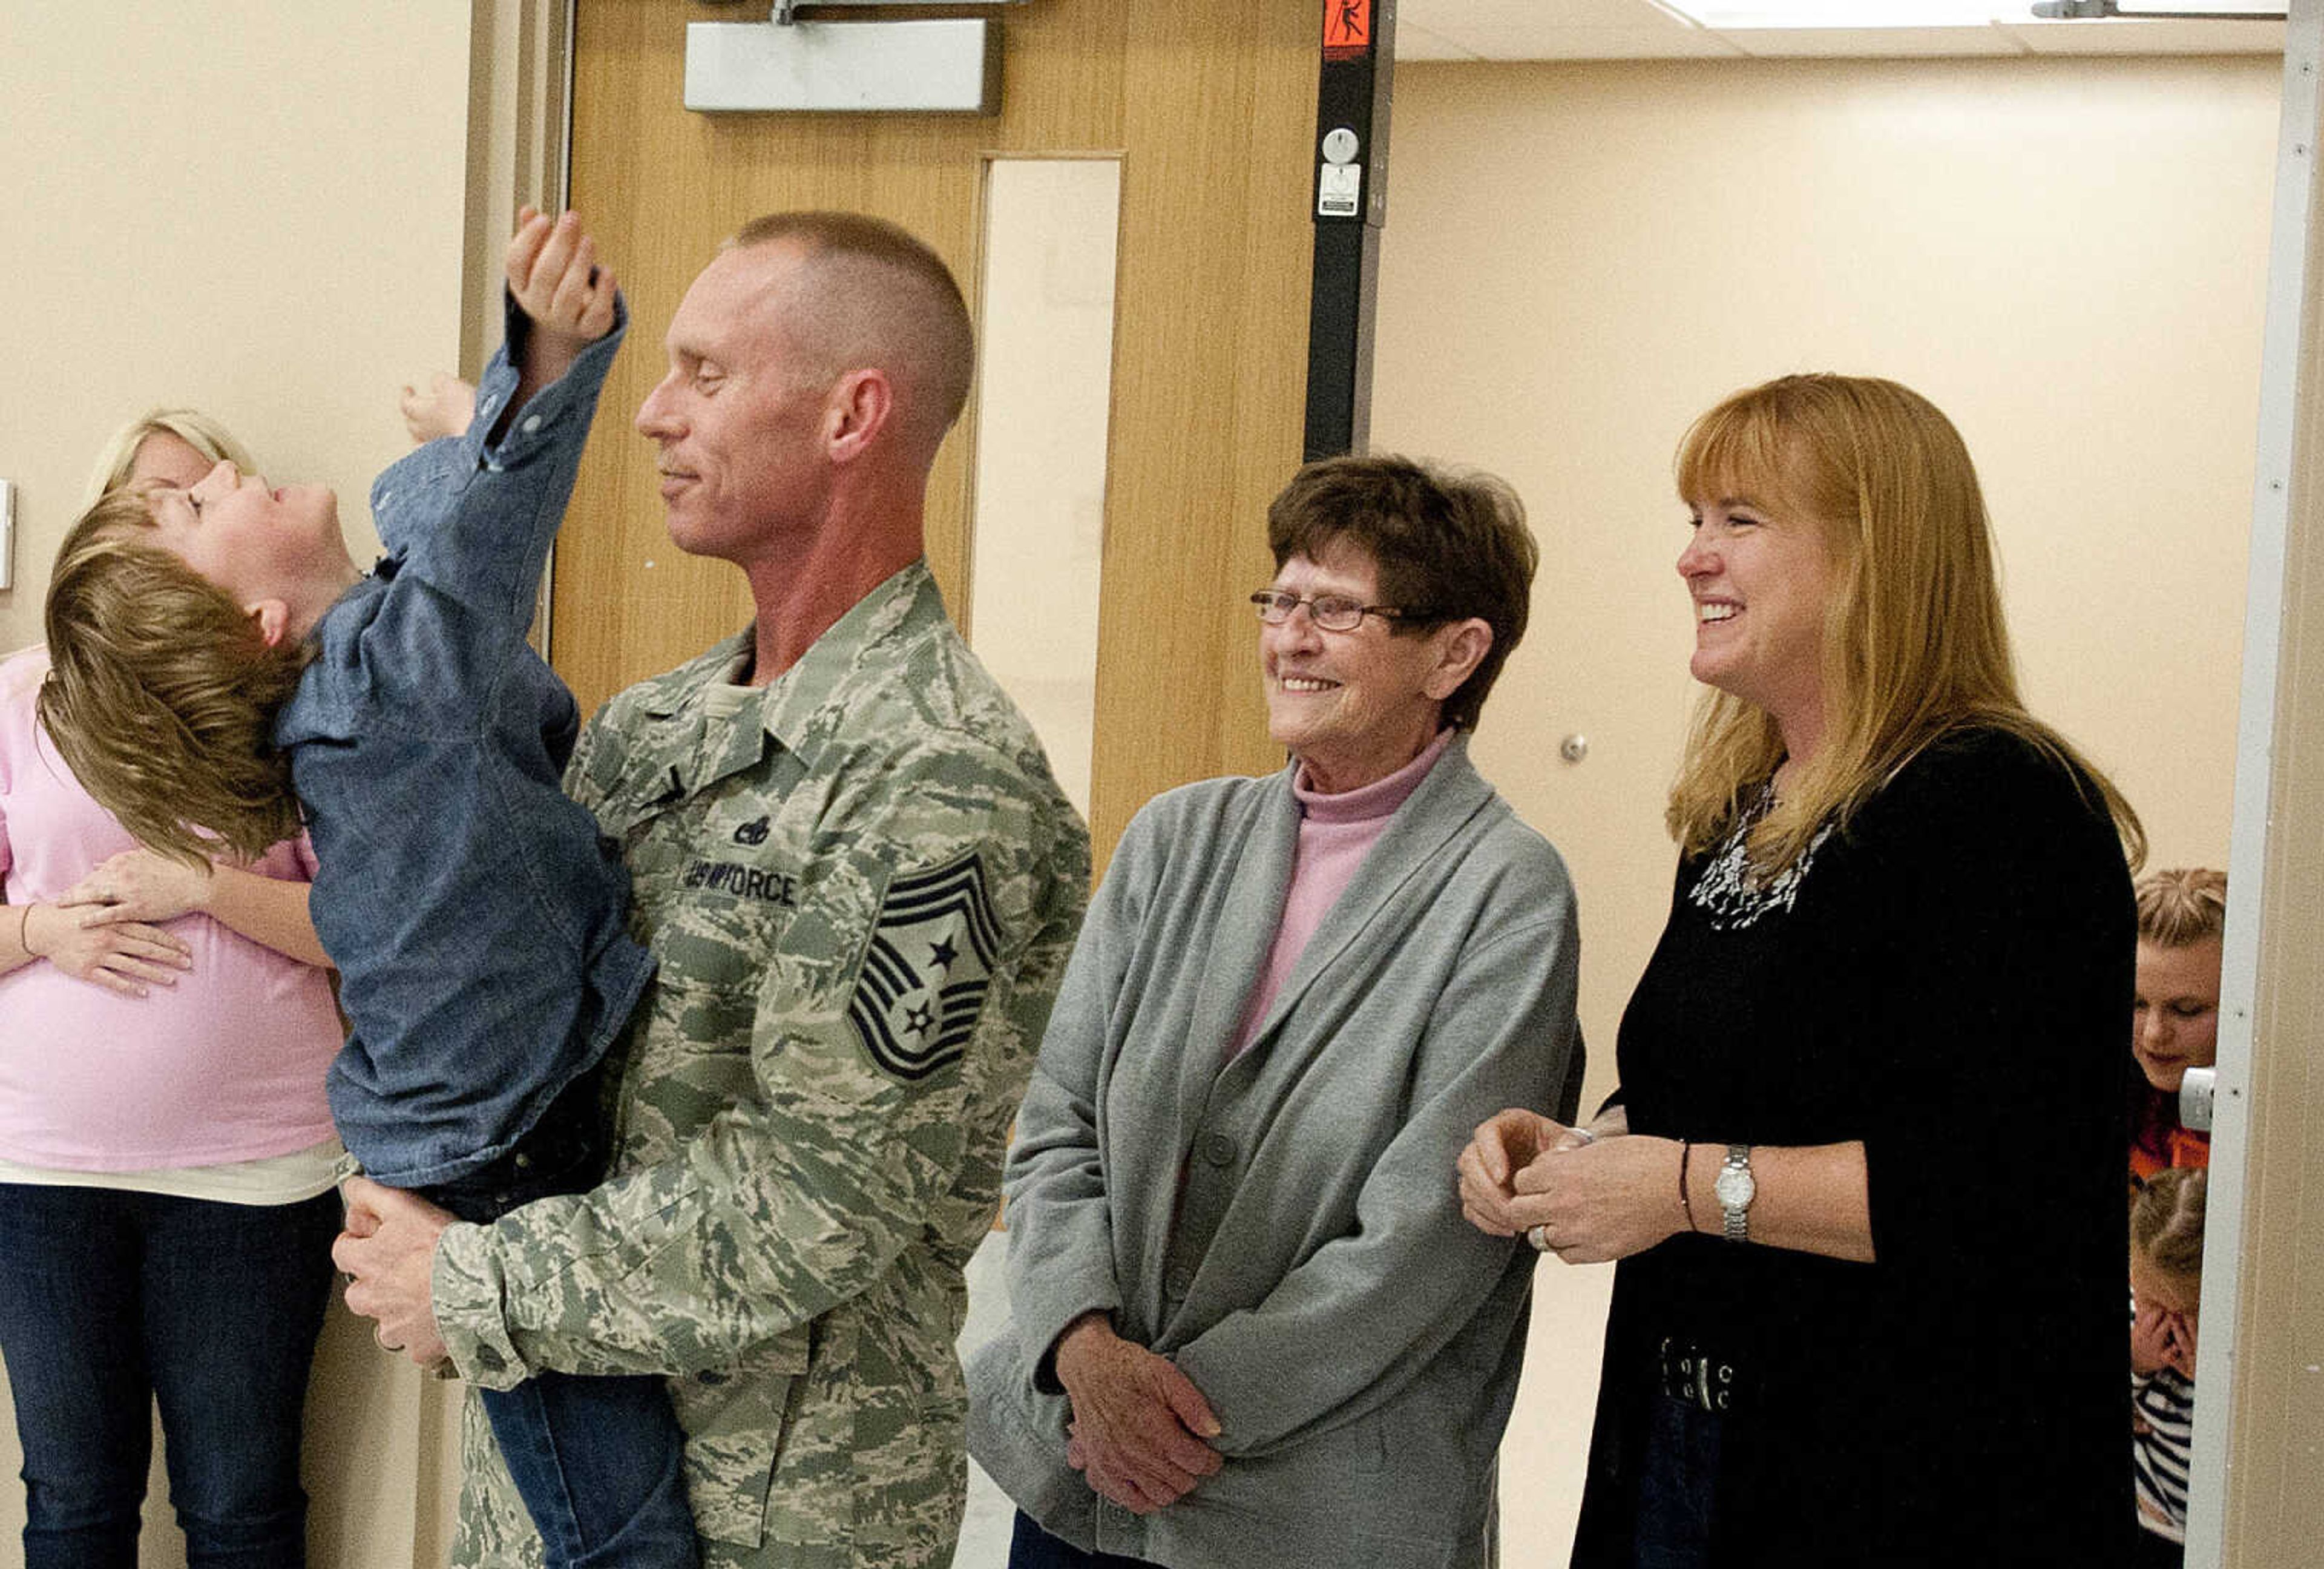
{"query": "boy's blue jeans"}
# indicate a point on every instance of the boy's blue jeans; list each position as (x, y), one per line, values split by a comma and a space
(599, 1461)
(109, 1298)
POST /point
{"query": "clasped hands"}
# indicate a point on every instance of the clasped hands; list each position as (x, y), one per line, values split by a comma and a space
(105, 929)
(388, 1255)
(1595, 1194)
(1141, 1429)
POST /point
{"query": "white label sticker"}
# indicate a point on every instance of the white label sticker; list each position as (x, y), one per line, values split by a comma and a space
(1339, 194)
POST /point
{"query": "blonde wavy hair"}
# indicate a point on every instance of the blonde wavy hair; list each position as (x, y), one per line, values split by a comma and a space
(1913, 641)
(196, 430)
(2166, 1221)
(2181, 905)
(161, 693)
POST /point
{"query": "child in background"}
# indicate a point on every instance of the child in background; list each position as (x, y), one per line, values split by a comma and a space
(2166, 1284)
(215, 646)
(2183, 914)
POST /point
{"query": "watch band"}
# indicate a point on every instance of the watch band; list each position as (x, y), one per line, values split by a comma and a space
(1736, 1189)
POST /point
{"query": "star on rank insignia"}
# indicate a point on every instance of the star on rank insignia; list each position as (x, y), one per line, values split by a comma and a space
(925, 974)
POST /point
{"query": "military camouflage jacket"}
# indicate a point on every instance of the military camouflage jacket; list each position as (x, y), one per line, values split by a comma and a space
(862, 888)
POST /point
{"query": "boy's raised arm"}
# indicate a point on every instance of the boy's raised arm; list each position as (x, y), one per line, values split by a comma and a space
(556, 280)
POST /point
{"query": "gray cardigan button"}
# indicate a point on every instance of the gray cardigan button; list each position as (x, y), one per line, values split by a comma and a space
(1218, 1150)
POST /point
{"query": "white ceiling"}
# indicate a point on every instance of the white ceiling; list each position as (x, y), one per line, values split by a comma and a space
(1643, 30)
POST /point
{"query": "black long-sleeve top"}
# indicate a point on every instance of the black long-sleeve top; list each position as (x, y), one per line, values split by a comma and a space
(1950, 981)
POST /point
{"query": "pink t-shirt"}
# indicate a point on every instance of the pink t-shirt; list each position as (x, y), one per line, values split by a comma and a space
(226, 1064)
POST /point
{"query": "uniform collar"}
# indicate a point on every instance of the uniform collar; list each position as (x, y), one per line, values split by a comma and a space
(858, 644)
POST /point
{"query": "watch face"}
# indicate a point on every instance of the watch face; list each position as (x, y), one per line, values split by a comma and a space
(1735, 1188)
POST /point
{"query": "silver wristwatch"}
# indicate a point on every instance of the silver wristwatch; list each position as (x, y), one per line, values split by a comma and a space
(1735, 1189)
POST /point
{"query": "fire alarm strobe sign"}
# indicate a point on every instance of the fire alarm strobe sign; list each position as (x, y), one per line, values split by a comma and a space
(1347, 29)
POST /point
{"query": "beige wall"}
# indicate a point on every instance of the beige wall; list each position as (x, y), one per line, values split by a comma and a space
(255, 206)
(2068, 257)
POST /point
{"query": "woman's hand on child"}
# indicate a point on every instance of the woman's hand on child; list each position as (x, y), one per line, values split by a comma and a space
(125, 956)
(554, 274)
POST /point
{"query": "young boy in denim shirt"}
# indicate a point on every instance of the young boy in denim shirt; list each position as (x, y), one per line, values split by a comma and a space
(477, 916)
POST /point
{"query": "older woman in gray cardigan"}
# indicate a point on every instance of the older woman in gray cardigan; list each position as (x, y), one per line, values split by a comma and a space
(1250, 1324)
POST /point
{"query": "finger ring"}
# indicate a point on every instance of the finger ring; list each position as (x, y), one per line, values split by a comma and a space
(1539, 1237)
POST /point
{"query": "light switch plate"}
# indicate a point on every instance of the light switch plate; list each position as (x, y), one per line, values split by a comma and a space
(7, 535)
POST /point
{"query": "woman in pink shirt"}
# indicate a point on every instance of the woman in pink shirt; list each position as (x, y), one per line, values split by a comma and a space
(167, 1162)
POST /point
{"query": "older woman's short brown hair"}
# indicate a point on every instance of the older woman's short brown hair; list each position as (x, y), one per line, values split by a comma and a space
(1446, 546)
(2181, 905)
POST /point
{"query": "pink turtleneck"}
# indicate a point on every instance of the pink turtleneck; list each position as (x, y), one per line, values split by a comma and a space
(1336, 832)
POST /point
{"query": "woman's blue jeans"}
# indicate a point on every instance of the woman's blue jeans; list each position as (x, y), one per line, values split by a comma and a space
(109, 1299)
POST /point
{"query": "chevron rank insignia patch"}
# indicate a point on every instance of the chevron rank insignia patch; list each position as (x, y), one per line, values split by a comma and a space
(925, 974)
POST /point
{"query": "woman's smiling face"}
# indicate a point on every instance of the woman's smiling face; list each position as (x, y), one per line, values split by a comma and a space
(1758, 580)
(2174, 1022)
(1353, 706)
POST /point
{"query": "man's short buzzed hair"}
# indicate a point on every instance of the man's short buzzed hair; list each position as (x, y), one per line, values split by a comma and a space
(916, 313)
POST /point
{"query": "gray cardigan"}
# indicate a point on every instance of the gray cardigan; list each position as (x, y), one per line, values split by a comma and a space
(1359, 1340)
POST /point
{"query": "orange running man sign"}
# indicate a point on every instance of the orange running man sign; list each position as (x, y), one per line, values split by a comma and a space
(1347, 28)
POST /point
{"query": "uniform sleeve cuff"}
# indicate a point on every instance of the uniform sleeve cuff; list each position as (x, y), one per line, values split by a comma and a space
(470, 1292)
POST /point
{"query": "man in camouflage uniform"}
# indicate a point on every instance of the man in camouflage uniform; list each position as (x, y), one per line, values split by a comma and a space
(860, 884)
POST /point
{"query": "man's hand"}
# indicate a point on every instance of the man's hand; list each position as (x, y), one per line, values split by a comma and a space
(388, 1254)
(1140, 1425)
(88, 943)
(139, 885)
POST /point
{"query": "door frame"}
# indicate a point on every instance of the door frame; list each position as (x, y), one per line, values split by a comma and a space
(2266, 1204)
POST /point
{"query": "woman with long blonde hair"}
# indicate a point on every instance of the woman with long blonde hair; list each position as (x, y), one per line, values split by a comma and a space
(167, 1161)
(1862, 1175)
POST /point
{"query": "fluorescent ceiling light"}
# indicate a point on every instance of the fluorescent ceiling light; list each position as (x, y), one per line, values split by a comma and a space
(1851, 14)
(2224, 9)
(1872, 13)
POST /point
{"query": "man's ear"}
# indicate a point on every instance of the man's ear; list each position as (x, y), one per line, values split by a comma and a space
(1464, 647)
(273, 619)
(861, 405)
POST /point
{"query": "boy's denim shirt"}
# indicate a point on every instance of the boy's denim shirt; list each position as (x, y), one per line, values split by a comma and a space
(476, 915)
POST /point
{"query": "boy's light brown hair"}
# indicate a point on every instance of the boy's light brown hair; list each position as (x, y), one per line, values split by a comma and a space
(161, 693)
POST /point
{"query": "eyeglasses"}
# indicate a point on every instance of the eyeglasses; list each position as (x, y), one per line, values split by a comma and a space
(1329, 610)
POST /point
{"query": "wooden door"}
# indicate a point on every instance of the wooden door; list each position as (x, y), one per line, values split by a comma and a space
(1210, 107)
